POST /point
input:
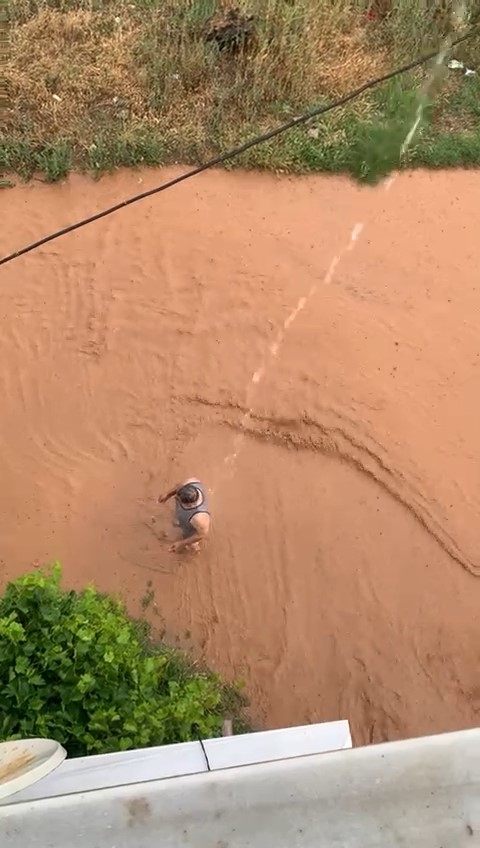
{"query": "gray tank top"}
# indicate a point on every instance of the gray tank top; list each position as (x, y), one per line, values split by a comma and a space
(184, 514)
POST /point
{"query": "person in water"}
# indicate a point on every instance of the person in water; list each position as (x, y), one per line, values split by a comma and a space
(192, 514)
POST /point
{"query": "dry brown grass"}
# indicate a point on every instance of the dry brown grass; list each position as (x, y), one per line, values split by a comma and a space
(72, 72)
(89, 70)
(82, 58)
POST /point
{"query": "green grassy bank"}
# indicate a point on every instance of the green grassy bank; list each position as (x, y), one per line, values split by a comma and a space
(96, 85)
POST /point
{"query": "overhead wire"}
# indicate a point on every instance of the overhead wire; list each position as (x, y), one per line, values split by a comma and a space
(236, 151)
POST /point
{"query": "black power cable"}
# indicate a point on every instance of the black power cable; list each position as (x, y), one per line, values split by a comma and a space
(236, 151)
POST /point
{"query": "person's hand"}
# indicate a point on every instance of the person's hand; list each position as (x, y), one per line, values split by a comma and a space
(174, 548)
(162, 499)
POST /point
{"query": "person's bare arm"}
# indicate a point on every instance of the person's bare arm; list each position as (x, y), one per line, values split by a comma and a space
(172, 492)
(201, 525)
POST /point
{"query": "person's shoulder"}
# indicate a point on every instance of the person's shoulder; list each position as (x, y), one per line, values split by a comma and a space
(190, 480)
(201, 521)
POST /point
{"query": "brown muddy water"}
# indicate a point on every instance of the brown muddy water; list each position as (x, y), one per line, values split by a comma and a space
(341, 578)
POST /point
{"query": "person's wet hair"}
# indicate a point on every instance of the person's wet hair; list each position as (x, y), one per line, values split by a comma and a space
(188, 494)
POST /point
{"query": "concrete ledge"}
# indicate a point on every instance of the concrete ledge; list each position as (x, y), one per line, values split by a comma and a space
(87, 774)
(423, 793)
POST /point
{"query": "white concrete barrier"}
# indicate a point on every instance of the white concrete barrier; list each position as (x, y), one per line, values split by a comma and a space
(421, 793)
(123, 768)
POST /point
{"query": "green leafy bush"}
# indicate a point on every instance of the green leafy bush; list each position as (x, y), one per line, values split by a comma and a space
(74, 667)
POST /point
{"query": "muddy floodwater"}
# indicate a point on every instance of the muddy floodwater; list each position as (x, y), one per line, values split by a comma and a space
(341, 579)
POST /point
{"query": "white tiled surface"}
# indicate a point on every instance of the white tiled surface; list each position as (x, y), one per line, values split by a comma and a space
(126, 768)
(233, 751)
